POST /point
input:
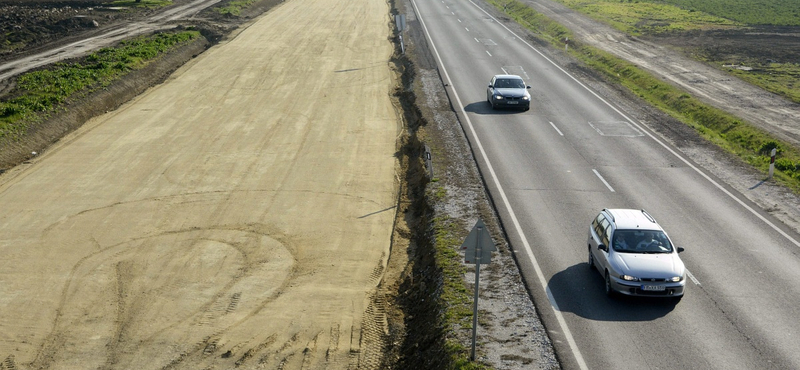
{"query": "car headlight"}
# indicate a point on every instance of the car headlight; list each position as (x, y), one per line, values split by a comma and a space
(675, 279)
(498, 97)
(628, 278)
(526, 98)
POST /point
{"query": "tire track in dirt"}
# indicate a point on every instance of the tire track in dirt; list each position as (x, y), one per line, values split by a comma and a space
(8, 363)
(131, 300)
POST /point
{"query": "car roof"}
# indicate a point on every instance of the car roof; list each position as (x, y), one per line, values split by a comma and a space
(508, 76)
(633, 219)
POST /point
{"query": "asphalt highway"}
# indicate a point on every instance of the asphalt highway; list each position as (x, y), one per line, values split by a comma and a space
(550, 170)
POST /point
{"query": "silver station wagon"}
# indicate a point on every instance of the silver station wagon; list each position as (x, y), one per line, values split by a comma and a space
(634, 255)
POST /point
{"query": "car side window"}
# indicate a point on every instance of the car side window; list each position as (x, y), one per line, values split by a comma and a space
(597, 225)
(606, 232)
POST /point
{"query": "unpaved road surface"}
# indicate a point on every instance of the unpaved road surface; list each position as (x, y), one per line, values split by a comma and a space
(238, 215)
(717, 88)
(108, 36)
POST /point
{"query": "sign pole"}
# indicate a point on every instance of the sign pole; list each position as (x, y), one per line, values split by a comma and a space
(478, 248)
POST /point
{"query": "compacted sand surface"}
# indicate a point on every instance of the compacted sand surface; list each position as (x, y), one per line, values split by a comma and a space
(238, 215)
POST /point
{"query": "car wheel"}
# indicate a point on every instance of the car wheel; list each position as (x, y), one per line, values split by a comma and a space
(591, 259)
(609, 289)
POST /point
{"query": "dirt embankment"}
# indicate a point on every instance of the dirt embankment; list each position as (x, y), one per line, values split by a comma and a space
(75, 113)
(29, 26)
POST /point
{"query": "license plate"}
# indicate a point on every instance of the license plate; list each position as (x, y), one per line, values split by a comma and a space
(513, 102)
(653, 288)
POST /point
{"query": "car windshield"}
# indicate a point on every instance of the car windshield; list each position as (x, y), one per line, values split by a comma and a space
(641, 241)
(508, 83)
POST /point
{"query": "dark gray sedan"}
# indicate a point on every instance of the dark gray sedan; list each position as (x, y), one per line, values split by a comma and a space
(508, 91)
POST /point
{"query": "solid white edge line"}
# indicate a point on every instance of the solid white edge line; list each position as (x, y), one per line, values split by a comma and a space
(682, 159)
(556, 128)
(694, 280)
(603, 180)
(559, 317)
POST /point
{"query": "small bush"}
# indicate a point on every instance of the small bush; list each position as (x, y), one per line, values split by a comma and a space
(766, 147)
(785, 165)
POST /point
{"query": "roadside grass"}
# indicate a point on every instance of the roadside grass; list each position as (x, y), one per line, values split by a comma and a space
(641, 17)
(753, 12)
(778, 78)
(141, 3)
(533, 20)
(41, 92)
(234, 8)
(458, 297)
(735, 136)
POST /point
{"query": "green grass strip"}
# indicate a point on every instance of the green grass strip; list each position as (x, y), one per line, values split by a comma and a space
(644, 17)
(40, 92)
(456, 295)
(149, 4)
(746, 141)
(234, 8)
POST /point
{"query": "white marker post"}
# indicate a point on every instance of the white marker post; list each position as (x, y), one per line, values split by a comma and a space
(429, 161)
(772, 162)
(479, 247)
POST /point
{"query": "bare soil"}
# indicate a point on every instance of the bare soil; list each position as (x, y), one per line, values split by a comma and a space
(26, 26)
(764, 44)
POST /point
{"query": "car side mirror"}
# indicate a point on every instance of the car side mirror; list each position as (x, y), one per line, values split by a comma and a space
(490, 85)
(602, 247)
(527, 87)
(680, 249)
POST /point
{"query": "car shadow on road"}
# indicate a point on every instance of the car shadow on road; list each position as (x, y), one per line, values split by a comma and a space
(483, 107)
(580, 290)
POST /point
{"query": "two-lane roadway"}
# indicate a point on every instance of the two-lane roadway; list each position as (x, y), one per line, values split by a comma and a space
(552, 169)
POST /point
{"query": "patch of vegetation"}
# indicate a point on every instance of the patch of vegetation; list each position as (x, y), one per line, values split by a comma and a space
(642, 17)
(751, 12)
(666, 15)
(447, 235)
(149, 4)
(778, 78)
(40, 92)
(234, 8)
(458, 297)
(728, 132)
(532, 19)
